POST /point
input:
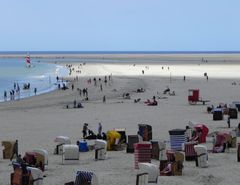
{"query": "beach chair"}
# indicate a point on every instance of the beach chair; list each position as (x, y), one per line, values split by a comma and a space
(145, 131)
(61, 140)
(84, 178)
(122, 131)
(132, 139)
(37, 175)
(178, 164)
(170, 155)
(30, 158)
(113, 138)
(152, 171)
(202, 158)
(42, 158)
(142, 179)
(177, 138)
(100, 149)
(8, 149)
(163, 164)
(70, 152)
(237, 104)
(173, 168)
(217, 114)
(190, 153)
(142, 153)
(19, 177)
(202, 131)
(220, 144)
(168, 170)
(155, 150)
(233, 112)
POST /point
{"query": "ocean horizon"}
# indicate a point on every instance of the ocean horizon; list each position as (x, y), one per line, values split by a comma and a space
(115, 52)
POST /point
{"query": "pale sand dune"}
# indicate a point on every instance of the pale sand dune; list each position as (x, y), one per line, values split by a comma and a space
(36, 121)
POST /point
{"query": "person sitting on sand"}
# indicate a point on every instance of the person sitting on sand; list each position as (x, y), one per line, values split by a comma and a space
(79, 105)
(137, 100)
(167, 170)
(104, 136)
(220, 149)
(91, 135)
(166, 90)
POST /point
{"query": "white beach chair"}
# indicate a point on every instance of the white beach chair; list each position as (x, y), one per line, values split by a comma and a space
(70, 152)
(142, 179)
(152, 171)
(202, 158)
(44, 153)
(100, 149)
(37, 175)
(61, 140)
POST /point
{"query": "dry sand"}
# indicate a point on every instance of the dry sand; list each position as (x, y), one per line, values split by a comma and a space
(36, 121)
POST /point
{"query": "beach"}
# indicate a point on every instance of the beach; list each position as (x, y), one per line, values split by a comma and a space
(36, 121)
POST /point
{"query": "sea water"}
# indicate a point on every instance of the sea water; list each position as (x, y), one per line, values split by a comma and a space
(40, 75)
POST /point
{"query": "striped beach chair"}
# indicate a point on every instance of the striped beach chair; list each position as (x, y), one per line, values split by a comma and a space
(177, 138)
(170, 155)
(85, 178)
(190, 153)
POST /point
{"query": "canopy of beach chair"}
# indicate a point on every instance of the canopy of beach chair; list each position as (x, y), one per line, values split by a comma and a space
(63, 140)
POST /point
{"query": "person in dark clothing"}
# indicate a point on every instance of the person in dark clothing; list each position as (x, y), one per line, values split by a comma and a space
(15, 150)
(104, 136)
(84, 131)
(35, 90)
(228, 122)
(19, 159)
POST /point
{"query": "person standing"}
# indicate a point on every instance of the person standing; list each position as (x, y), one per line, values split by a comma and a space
(35, 90)
(5, 95)
(84, 131)
(228, 122)
(104, 99)
(15, 150)
(99, 129)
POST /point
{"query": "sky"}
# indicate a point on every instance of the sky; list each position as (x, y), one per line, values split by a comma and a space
(119, 25)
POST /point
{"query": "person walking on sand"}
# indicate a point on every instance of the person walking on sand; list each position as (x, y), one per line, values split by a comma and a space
(104, 99)
(15, 150)
(101, 87)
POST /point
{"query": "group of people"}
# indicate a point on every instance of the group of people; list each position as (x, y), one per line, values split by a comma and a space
(15, 92)
(89, 134)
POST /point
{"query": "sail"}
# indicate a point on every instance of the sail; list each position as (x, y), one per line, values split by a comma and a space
(28, 62)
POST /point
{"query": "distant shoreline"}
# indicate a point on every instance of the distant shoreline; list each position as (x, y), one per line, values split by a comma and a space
(131, 57)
